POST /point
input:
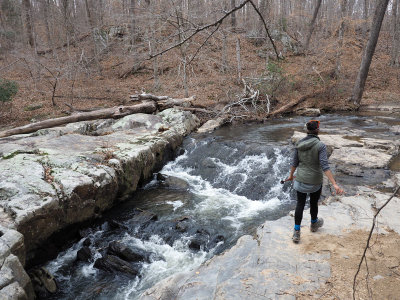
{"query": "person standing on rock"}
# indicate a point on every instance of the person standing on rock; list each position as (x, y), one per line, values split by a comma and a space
(311, 161)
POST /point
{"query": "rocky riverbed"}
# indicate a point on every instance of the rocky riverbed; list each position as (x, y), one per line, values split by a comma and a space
(269, 265)
(56, 178)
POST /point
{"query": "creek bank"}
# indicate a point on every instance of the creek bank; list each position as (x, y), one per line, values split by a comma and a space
(57, 177)
(268, 264)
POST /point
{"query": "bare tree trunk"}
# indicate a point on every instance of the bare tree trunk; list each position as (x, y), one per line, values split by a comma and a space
(233, 16)
(395, 34)
(359, 85)
(314, 18)
(182, 48)
(132, 13)
(264, 7)
(343, 5)
(50, 44)
(224, 52)
(28, 21)
(365, 17)
(351, 8)
(239, 65)
(92, 25)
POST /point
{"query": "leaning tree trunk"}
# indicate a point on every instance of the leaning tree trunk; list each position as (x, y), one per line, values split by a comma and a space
(359, 85)
(314, 18)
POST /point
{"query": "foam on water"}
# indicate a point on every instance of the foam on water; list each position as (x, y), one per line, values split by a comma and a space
(219, 198)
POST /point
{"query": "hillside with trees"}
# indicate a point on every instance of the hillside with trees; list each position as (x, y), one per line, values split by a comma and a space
(251, 59)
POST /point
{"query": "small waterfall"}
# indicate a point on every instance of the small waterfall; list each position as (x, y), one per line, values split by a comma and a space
(232, 187)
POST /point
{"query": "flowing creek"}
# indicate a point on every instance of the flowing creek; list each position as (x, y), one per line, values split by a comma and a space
(223, 186)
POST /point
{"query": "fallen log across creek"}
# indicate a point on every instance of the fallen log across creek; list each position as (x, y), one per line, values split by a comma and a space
(149, 104)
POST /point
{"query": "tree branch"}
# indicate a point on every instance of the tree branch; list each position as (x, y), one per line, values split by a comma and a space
(216, 23)
(266, 28)
(369, 239)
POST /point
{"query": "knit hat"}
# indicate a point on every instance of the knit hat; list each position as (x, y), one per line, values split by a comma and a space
(312, 125)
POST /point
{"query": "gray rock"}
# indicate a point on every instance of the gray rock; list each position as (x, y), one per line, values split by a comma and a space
(368, 158)
(65, 175)
(173, 182)
(211, 125)
(13, 292)
(111, 263)
(43, 282)
(19, 275)
(129, 254)
(311, 112)
(14, 241)
(330, 140)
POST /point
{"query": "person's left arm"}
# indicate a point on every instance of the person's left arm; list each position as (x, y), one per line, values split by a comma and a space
(295, 163)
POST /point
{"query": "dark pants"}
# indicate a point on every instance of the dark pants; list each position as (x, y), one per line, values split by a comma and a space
(301, 201)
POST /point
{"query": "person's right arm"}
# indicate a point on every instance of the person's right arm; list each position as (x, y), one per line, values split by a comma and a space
(329, 174)
(323, 159)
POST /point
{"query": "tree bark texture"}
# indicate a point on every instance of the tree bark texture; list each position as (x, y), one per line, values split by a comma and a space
(312, 24)
(233, 16)
(343, 6)
(395, 34)
(239, 64)
(359, 85)
(28, 21)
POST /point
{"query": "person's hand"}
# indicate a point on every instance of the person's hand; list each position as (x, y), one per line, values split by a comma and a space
(290, 178)
(339, 191)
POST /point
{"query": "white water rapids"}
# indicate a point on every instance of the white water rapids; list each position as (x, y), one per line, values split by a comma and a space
(217, 198)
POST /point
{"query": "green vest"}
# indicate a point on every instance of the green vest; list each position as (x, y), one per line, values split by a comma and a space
(309, 170)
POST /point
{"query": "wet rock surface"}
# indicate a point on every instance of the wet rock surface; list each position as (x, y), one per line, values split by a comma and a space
(58, 177)
(111, 263)
(269, 265)
(129, 254)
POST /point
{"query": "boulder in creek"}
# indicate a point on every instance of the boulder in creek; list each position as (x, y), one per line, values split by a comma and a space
(116, 225)
(87, 242)
(111, 263)
(143, 217)
(43, 282)
(310, 112)
(84, 254)
(172, 182)
(182, 224)
(127, 253)
(199, 240)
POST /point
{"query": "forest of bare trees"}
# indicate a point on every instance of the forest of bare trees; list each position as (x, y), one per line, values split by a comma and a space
(58, 45)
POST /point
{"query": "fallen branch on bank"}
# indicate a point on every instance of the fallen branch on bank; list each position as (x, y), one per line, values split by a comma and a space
(106, 113)
(149, 104)
(363, 257)
(250, 98)
(291, 104)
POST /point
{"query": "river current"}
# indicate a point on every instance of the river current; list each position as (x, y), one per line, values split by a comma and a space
(229, 183)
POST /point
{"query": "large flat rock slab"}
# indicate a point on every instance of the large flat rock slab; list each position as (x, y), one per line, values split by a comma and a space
(60, 176)
(267, 266)
(270, 265)
(347, 151)
(363, 157)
